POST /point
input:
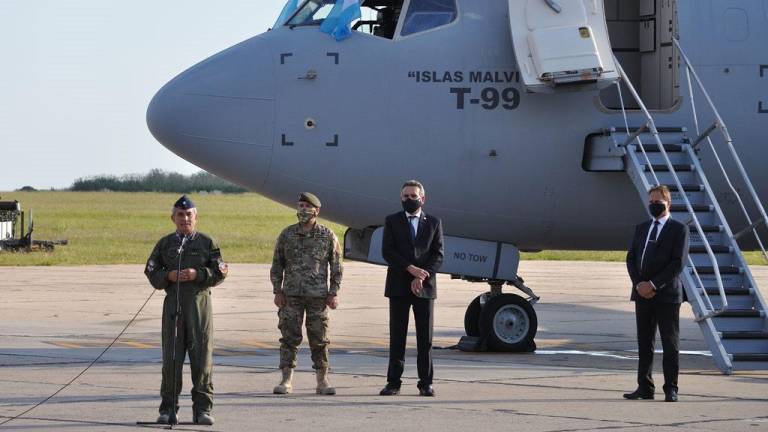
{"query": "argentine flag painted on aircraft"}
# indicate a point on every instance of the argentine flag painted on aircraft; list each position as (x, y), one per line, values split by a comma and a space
(338, 23)
(288, 10)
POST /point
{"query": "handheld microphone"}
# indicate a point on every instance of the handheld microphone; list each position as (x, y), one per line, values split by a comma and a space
(181, 247)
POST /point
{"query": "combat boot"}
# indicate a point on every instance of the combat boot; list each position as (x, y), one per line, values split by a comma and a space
(285, 385)
(323, 386)
(203, 418)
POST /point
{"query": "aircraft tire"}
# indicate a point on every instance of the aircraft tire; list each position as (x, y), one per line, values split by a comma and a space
(508, 323)
(472, 318)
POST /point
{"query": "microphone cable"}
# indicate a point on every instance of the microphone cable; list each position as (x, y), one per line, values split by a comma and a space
(87, 367)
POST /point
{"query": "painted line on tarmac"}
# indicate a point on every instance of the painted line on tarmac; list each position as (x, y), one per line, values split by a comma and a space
(65, 344)
(140, 345)
(258, 344)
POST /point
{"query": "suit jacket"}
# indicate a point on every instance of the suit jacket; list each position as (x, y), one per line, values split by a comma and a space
(663, 263)
(400, 251)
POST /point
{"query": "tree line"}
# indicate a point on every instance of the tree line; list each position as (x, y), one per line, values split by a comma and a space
(157, 180)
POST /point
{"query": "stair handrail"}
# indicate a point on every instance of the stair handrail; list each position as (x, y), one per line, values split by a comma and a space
(720, 125)
(651, 125)
(696, 275)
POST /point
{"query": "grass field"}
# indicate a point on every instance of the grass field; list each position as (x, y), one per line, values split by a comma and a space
(122, 228)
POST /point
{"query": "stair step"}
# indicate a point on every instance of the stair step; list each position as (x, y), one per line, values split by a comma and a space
(750, 365)
(654, 148)
(742, 302)
(665, 168)
(713, 291)
(744, 335)
(686, 187)
(723, 270)
(666, 177)
(744, 313)
(706, 228)
(751, 357)
(735, 346)
(738, 323)
(730, 281)
(681, 208)
(713, 234)
(677, 130)
(703, 250)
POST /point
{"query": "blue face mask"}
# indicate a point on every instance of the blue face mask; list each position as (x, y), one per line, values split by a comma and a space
(657, 209)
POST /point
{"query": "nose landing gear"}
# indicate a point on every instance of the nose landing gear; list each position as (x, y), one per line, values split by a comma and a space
(496, 321)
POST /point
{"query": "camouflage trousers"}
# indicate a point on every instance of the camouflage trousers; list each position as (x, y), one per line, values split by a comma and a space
(291, 316)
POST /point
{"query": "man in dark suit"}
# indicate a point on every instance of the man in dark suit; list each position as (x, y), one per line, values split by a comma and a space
(413, 248)
(655, 261)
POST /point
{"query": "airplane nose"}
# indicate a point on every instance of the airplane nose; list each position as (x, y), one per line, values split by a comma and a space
(220, 113)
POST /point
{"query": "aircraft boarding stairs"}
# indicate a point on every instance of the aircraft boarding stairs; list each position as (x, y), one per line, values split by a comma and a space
(733, 321)
(723, 294)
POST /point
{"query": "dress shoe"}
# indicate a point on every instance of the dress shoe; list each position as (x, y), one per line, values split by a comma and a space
(670, 396)
(637, 394)
(427, 391)
(203, 418)
(389, 390)
(163, 418)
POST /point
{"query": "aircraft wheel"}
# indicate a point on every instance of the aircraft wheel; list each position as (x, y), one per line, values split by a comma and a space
(472, 318)
(508, 323)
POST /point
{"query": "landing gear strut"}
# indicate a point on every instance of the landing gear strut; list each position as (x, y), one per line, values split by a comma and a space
(495, 321)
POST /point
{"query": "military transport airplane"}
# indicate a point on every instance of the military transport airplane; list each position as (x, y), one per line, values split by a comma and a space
(534, 124)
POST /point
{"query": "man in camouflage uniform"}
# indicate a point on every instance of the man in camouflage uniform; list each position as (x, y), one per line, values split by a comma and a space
(201, 268)
(303, 254)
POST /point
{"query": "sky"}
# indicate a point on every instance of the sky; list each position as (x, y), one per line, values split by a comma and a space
(76, 77)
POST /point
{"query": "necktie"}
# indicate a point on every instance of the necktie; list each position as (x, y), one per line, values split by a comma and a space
(651, 239)
(413, 228)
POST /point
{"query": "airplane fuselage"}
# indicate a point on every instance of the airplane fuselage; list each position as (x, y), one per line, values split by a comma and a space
(293, 110)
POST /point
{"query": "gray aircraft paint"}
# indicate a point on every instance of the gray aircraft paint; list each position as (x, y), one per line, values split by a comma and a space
(509, 175)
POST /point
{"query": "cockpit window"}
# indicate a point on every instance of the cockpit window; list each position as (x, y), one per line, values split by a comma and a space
(378, 17)
(424, 15)
(312, 12)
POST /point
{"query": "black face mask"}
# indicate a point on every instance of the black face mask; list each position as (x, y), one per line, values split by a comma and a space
(657, 209)
(411, 205)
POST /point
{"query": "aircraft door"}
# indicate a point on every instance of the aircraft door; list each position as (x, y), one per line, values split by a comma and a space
(561, 43)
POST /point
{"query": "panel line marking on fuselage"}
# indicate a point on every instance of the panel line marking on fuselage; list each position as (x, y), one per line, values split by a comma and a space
(286, 142)
(762, 109)
(283, 56)
(334, 143)
(248, 98)
(335, 56)
(226, 140)
(496, 261)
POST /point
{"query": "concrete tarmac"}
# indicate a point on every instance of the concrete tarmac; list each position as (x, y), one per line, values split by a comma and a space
(56, 320)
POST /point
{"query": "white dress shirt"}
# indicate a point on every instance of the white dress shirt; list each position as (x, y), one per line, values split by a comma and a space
(414, 221)
(661, 221)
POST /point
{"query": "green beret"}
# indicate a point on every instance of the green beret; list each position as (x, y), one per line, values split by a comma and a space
(309, 198)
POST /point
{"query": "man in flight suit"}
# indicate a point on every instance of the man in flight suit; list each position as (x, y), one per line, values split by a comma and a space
(202, 267)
